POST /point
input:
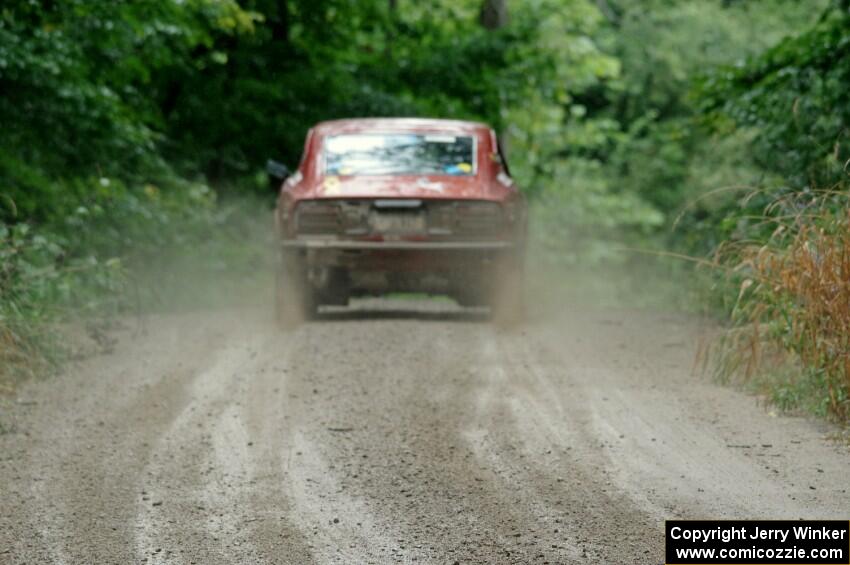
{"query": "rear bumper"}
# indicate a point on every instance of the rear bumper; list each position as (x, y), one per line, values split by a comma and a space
(399, 256)
(377, 267)
(348, 245)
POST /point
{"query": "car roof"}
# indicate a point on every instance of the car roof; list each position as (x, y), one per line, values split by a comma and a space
(363, 125)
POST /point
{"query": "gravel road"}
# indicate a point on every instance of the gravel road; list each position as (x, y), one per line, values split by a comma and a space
(395, 432)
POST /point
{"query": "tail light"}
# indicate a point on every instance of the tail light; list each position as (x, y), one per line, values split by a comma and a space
(317, 217)
(478, 218)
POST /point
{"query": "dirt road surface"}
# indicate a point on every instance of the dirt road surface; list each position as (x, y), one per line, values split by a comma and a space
(396, 432)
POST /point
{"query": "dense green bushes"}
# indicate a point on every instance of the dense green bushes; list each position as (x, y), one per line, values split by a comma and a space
(92, 205)
(118, 249)
(594, 102)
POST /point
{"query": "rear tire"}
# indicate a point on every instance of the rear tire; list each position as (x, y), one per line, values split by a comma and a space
(295, 300)
(508, 298)
(473, 296)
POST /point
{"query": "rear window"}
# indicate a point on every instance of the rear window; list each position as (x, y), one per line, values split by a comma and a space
(399, 154)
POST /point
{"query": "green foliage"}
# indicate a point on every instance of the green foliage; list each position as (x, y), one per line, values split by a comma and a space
(119, 250)
(79, 81)
(136, 90)
(39, 273)
(38, 280)
(77, 73)
(795, 95)
(666, 155)
(625, 128)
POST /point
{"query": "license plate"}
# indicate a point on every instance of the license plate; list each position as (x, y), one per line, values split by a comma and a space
(385, 222)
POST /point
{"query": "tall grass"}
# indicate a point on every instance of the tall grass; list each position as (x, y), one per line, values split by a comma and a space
(791, 319)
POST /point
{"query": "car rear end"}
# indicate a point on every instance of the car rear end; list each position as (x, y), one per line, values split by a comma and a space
(396, 206)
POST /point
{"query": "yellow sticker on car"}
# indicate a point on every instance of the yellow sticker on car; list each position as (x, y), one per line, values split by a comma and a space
(331, 186)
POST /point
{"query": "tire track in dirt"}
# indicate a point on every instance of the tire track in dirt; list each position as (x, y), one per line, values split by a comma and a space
(217, 464)
(396, 433)
(342, 427)
(536, 436)
(196, 469)
(102, 418)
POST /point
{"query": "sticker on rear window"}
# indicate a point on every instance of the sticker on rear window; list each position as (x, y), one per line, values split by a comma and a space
(440, 139)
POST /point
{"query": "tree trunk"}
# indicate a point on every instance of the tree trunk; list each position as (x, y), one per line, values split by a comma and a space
(279, 23)
(391, 32)
(494, 14)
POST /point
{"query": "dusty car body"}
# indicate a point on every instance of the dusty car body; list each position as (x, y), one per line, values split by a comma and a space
(400, 205)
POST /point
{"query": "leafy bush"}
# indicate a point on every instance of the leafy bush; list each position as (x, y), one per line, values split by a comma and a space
(40, 280)
(119, 249)
(795, 96)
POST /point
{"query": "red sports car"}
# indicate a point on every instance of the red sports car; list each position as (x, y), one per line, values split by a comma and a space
(399, 205)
